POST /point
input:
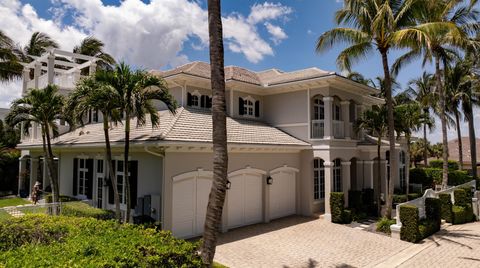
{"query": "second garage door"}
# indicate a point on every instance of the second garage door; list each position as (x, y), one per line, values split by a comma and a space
(282, 192)
(245, 197)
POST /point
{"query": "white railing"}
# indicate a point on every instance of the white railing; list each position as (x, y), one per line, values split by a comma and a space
(66, 80)
(43, 81)
(318, 129)
(338, 129)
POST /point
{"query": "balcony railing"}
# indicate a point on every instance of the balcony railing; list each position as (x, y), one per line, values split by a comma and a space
(338, 129)
(318, 129)
(67, 81)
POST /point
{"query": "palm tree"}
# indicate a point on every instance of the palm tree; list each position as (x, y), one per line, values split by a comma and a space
(43, 107)
(137, 90)
(91, 95)
(216, 198)
(10, 67)
(421, 90)
(373, 23)
(444, 27)
(37, 45)
(91, 46)
(374, 121)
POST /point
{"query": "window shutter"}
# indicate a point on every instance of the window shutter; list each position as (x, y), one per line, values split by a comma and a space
(209, 102)
(257, 108)
(111, 199)
(75, 176)
(203, 102)
(89, 178)
(240, 106)
(189, 99)
(133, 179)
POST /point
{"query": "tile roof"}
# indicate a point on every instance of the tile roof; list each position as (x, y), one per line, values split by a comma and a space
(264, 78)
(454, 153)
(187, 125)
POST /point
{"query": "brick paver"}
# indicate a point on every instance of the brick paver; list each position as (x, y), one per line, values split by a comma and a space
(304, 242)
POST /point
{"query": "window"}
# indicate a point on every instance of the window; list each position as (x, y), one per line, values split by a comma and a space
(318, 179)
(82, 187)
(318, 109)
(337, 175)
(100, 177)
(402, 170)
(121, 181)
(248, 107)
(195, 101)
(336, 112)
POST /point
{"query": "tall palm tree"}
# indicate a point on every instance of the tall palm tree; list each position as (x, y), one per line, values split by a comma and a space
(421, 90)
(137, 90)
(374, 121)
(92, 95)
(373, 23)
(443, 27)
(91, 46)
(216, 198)
(44, 107)
(38, 44)
(10, 68)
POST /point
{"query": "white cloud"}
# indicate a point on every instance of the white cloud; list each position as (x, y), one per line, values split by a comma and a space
(277, 33)
(267, 11)
(9, 91)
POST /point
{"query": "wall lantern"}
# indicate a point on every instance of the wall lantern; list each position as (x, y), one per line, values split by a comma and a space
(229, 184)
(269, 180)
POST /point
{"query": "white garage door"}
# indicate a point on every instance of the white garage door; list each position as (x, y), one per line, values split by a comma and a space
(245, 197)
(190, 200)
(282, 192)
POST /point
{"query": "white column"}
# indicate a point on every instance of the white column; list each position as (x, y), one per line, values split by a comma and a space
(36, 74)
(25, 80)
(328, 189)
(346, 118)
(359, 109)
(50, 68)
(92, 68)
(22, 167)
(328, 129)
(368, 173)
(346, 180)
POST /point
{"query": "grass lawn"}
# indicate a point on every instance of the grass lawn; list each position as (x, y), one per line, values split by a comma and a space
(4, 215)
(8, 202)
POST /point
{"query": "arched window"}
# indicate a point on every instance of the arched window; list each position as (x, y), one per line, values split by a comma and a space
(248, 107)
(318, 108)
(318, 179)
(337, 175)
(402, 170)
(196, 100)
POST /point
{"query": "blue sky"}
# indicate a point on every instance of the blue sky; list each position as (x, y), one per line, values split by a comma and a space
(160, 34)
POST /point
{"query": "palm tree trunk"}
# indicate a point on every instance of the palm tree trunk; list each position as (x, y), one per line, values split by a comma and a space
(216, 198)
(407, 168)
(425, 146)
(377, 187)
(51, 168)
(473, 140)
(391, 133)
(126, 178)
(443, 121)
(459, 136)
(111, 171)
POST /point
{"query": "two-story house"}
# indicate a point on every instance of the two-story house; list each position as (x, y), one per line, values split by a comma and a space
(290, 142)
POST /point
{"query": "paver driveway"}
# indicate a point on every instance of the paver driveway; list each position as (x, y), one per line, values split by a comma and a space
(304, 242)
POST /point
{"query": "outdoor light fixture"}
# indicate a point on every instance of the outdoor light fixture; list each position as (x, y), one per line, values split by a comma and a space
(229, 184)
(269, 180)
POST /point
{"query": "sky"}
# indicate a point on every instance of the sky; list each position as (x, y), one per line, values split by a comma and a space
(161, 34)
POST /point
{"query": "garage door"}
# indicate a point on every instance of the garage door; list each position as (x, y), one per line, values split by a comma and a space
(245, 197)
(190, 200)
(282, 201)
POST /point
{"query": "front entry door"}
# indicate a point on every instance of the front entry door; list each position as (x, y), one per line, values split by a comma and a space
(99, 186)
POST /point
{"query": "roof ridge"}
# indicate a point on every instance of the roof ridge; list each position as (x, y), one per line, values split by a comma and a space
(172, 122)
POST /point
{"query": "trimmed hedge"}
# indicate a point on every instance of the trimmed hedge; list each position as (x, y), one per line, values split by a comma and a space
(426, 228)
(458, 177)
(80, 209)
(410, 221)
(419, 176)
(337, 206)
(62, 198)
(469, 216)
(355, 200)
(369, 201)
(433, 212)
(458, 215)
(399, 198)
(413, 196)
(446, 207)
(452, 164)
(460, 197)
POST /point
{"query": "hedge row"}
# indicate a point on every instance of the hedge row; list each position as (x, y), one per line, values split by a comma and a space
(337, 206)
(462, 211)
(428, 177)
(452, 164)
(361, 203)
(80, 209)
(446, 206)
(414, 230)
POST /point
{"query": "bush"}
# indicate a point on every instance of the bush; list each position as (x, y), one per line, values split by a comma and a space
(426, 228)
(458, 214)
(452, 164)
(346, 216)
(399, 198)
(469, 216)
(383, 225)
(369, 202)
(355, 200)
(458, 177)
(468, 193)
(413, 196)
(337, 204)
(45, 241)
(446, 207)
(80, 209)
(434, 175)
(460, 197)
(433, 210)
(410, 221)
(62, 198)
(419, 176)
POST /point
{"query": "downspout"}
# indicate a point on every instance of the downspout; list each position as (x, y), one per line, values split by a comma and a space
(162, 195)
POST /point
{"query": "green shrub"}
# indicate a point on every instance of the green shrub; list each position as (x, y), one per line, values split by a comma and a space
(413, 196)
(446, 207)
(469, 216)
(458, 177)
(346, 216)
(337, 204)
(383, 225)
(419, 176)
(460, 197)
(433, 212)
(452, 164)
(62, 198)
(80, 209)
(355, 200)
(369, 202)
(468, 193)
(458, 215)
(45, 241)
(399, 198)
(410, 221)
(426, 228)
(434, 175)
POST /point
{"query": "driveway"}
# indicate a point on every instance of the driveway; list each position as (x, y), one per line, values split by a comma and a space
(304, 242)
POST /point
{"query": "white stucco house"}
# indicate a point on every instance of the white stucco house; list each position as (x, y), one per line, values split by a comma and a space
(290, 142)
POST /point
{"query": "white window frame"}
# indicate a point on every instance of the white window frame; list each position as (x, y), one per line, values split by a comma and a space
(249, 106)
(82, 180)
(120, 173)
(337, 175)
(318, 108)
(318, 179)
(99, 177)
(196, 97)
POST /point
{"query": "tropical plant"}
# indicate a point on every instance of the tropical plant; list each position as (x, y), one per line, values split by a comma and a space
(374, 121)
(437, 150)
(10, 67)
(37, 45)
(137, 90)
(91, 46)
(417, 150)
(373, 23)
(92, 95)
(443, 28)
(216, 198)
(9, 137)
(44, 107)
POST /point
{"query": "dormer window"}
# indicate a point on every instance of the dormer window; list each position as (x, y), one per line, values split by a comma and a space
(249, 107)
(197, 100)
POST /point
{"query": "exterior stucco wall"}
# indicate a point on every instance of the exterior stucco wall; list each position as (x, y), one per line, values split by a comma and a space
(286, 108)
